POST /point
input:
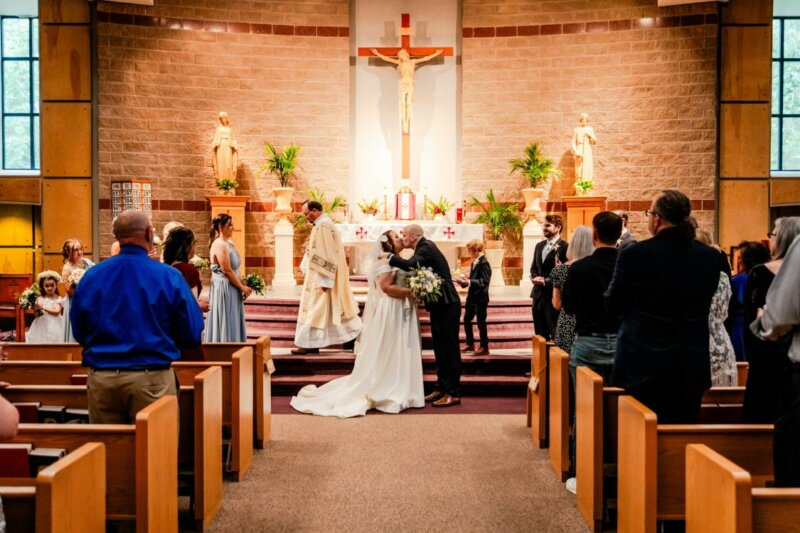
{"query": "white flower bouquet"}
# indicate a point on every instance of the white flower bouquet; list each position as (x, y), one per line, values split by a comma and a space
(425, 284)
(200, 263)
(75, 276)
(27, 298)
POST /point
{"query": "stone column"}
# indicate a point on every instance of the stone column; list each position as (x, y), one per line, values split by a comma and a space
(284, 254)
(531, 234)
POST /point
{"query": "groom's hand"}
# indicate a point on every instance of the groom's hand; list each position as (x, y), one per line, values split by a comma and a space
(384, 255)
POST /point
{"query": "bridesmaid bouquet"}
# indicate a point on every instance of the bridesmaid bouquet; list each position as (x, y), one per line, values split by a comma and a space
(75, 276)
(200, 263)
(256, 282)
(425, 284)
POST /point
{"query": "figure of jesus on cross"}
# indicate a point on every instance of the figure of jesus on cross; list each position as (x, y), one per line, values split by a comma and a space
(408, 58)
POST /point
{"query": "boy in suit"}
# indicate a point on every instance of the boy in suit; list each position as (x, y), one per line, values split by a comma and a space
(545, 316)
(480, 274)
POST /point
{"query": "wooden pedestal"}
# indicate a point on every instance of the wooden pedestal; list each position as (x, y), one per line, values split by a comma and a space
(235, 207)
(581, 210)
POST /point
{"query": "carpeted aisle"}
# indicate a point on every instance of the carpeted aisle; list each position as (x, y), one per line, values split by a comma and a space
(399, 473)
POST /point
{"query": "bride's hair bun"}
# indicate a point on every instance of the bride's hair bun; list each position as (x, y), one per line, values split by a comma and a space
(384, 238)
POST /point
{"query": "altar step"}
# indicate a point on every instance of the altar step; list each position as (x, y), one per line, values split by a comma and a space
(499, 374)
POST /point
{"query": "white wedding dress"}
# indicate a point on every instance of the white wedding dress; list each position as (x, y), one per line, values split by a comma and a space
(387, 374)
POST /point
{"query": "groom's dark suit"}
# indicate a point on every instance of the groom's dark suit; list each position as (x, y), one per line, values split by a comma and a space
(445, 315)
(545, 316)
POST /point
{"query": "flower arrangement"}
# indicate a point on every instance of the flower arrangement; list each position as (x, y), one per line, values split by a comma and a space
(425, 284)
(369, 208)
(226, 184)
(583, 186)
(439, 208)
(76, 276)
(27, 298)
(256, 282)
(200, 263)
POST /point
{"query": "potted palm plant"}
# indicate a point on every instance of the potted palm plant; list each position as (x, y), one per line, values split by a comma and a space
(500, 220)
(283, 165)
(537, 170)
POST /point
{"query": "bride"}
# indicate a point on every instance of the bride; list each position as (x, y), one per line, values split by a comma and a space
(387, 374)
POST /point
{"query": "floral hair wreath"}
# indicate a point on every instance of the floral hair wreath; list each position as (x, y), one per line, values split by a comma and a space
(49, 274)
(384, 238)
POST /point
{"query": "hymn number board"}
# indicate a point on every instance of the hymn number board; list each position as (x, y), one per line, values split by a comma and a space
(131, 194)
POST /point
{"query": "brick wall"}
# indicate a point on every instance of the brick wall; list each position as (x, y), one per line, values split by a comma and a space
(646, 76)
(279, 69)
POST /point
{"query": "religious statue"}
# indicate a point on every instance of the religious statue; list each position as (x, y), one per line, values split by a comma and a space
(224, 151)
(406, 67)
(582, 140)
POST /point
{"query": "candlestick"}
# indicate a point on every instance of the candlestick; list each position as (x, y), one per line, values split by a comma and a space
(425, 207)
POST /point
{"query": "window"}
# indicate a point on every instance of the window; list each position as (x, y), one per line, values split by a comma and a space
(785, 149)
(19, 73)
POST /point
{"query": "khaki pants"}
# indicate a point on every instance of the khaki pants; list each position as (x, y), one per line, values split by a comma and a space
(115, 396)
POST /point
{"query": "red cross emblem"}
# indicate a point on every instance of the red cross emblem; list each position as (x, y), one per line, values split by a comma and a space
(449, 232)
(361, 232)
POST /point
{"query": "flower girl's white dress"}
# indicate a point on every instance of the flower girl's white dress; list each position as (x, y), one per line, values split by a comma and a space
(387, 374)
(47, 328)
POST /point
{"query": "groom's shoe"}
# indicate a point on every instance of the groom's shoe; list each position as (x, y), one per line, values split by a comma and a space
(468, 348)
(304, 351)
(435, 395)
(482, 351)
(447, 401)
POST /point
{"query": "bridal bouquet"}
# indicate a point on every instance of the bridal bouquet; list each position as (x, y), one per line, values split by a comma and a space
(425, 284)
(256, 282)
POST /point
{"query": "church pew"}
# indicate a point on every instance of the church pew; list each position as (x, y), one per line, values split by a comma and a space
(141, 462)
(199, 441)
(69, 495)
(596, 434)
(742, 371)
(262, 368)
(262, 385)
(537, 392)
(237, 393)
(651, 462)
(720, 497)
(558, 419)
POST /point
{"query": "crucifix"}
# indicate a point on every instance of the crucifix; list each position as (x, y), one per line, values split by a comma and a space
(408, 58)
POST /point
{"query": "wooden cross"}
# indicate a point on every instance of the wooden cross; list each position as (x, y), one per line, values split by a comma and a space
(414, 53)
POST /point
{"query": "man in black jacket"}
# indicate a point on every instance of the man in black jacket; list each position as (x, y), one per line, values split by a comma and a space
(545, 316)
(480, 275)
(662, 288)
(445, 316)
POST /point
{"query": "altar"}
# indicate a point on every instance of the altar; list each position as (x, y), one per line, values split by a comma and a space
(448, 237)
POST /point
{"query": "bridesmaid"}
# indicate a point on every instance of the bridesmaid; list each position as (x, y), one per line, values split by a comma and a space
(72, 251)
(226, 302)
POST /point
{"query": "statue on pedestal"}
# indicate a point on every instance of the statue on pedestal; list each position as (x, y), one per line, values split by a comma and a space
(582, 140)
(224, 151)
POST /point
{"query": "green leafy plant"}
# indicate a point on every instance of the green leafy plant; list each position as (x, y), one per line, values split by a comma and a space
(501, 219)
(583, 186)
(534, 167)
(226, 184)
(439, 208)
(328, 207)
(281, 163)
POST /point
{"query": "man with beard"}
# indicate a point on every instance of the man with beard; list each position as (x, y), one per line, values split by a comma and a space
(545, 316)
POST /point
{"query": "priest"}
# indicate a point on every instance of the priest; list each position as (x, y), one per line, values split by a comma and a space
(328, 311)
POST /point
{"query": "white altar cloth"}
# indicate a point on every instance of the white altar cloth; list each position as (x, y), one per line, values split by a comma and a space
(447, 236)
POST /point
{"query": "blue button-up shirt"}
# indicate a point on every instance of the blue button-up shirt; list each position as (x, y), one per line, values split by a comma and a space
(131, 312)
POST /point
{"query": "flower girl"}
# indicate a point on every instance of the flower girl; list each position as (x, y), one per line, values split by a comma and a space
(49, 327)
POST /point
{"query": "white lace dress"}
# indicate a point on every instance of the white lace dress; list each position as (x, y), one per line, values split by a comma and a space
(47, 327)
(387, 374)
(723, 358)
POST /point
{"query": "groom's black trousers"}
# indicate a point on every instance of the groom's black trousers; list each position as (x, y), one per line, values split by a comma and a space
(445, 323)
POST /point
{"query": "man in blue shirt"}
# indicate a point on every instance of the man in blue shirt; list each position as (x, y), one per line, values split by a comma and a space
(132, 315)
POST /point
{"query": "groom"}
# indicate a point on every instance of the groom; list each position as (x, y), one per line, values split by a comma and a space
(445, 316)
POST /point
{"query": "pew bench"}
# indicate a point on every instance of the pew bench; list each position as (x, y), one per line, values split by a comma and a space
(559, 405)
(651, 462)
(237, 393)
(536, 412)
(720, 496)
(141, 462)
(69, 495)
(199, 440)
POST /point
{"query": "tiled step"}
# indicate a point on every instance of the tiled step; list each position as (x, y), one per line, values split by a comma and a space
(500, 339)
(256, 305)
(278, 322)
